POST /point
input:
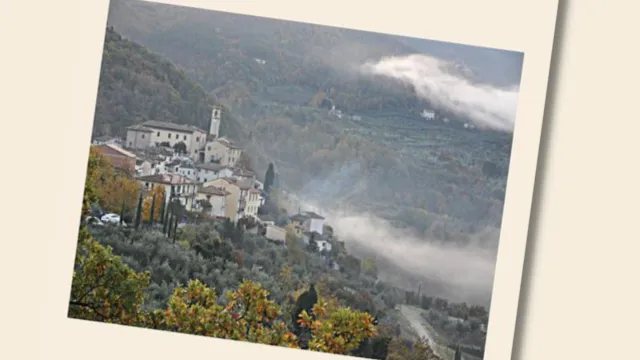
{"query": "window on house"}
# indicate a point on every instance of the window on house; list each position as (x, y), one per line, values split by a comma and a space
(158, 133)
(185, 137)
(143, 136)
(208, 148)
(198, 139)
(169, 135)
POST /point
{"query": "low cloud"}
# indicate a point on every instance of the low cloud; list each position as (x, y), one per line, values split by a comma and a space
(467, 270)
(444, 86)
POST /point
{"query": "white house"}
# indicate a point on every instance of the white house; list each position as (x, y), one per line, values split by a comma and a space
(209, 172)
(253, 203)
(259, 185)
(212, 200)
(144, 167)
(243, 174)
(176, 186)
(153, 133)
(323, 245)
(188, 170)
(313, 222)
(222, 151)
(275, 233)
(234, 204)
(428, 114)
(107, 140)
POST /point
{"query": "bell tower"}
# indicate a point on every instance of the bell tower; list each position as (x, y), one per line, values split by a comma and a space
(216, 118)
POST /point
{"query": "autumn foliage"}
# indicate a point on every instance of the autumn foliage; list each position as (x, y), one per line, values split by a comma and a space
(104, 289)
(108, 187)
(148, 201)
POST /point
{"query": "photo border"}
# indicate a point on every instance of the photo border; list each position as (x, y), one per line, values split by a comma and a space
(526, 27)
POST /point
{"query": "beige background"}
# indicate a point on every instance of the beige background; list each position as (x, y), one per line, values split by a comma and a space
(581, 299)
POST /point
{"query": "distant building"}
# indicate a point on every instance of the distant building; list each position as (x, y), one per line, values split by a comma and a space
(107, 140)
(188, 170)
(428, 114)
(176, 186)
(233, 209)
(307, 221)
(212, 200)
(153, 133)
(222, 151)
(209, 172)
(118, 157)
(314, 222)
(253, 203)
(243, 174)
(144, 167)
(275, 233)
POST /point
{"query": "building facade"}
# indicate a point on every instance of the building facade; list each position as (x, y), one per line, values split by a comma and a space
(232, 209)
(212, 201)
(176, 187)
(118, 157)
(222, 151)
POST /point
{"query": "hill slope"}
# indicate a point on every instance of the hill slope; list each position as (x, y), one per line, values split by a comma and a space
(274, 75)
(137, 85)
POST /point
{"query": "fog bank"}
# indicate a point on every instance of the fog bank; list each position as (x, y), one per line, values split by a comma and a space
(444, 86)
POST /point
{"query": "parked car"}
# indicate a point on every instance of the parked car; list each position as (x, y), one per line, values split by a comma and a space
(112, 218)
(94, 221)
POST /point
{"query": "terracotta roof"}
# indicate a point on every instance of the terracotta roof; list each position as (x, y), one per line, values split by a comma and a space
(153, 124)
(119, 149)
(313, 215)
(226, 142)
(245, 184)
(212, 190)
(211, 166)
(169, 179)
(298, 217)
(243, 172)
(139, 128)
(229, 180)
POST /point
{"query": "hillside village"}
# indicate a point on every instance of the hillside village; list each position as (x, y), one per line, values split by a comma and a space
(206, 174)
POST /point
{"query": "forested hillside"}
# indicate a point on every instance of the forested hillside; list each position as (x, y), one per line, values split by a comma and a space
(398, 166)
(137, 85)
(218, 279)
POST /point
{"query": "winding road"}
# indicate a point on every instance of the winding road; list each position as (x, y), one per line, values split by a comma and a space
(415, 319)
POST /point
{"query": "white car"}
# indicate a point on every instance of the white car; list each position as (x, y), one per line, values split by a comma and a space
(112, 218)
(91, 220)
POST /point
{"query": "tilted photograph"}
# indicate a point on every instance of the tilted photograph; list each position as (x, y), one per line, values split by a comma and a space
(294, 184)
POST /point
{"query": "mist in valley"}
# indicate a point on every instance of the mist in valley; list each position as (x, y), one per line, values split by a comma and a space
(454, 270)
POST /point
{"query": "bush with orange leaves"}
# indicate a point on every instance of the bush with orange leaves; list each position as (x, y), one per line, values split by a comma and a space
(338, 332)
(249, 314)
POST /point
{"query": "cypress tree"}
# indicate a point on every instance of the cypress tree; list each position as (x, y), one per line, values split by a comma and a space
(153, 206)
(162, 209)
(139, 211)
(269, 178)
(458, 355)
(122, 212)
(169, 226)
(166, 226)
(175, 229)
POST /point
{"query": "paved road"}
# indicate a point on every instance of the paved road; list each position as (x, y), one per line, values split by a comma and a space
(414, 317)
